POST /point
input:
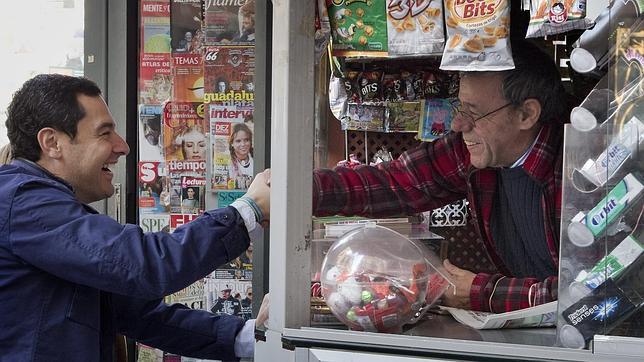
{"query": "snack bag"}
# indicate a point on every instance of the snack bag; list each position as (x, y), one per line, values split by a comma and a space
(436, 118)
(358, 27)
(392, 87)
(548, 17)
(478, 35)
(415, 27)
(364, 117)
(351, 86)
(403, 116)
(371, 86)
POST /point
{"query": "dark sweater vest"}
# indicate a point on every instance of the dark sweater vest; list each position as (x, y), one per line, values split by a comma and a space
(517, 225)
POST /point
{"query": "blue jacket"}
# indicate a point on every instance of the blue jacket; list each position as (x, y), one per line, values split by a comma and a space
(70, 278)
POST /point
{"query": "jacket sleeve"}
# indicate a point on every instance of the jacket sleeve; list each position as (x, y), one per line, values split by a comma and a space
(426, 177)
(176, 328)
(53, 231)
(510, 294)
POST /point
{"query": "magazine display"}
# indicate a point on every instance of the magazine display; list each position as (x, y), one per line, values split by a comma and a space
(544, 315)
(195, 131)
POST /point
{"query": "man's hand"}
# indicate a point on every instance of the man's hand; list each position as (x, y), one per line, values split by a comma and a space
(260, 192)
(267, 173)
(459, 298)
(262, 315)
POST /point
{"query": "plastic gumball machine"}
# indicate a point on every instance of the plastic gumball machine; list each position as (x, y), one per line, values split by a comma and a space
(375, 279)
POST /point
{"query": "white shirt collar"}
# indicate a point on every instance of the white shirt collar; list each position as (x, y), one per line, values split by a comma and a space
(522, 159)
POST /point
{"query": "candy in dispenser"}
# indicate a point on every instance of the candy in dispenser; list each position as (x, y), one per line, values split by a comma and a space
(375, 279)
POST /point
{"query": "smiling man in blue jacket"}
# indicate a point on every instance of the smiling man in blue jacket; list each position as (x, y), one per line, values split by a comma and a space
(70, 278)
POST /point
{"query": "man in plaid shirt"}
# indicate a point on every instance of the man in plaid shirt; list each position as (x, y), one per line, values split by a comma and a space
(505, 156)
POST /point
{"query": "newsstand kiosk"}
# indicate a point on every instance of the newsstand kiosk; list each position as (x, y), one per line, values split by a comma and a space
(594, 175)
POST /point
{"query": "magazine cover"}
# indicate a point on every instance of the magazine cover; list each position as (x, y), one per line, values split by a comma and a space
(225, 198)
(192, 194)
(154, 222)
(232, 148)
(155, 26)
(148, 354)
(192, 297)
(185, 132)
(150, 142)
(154, 187)
(154, 66)
(177, 192)
(229, 76)
(233, 271)
(229, 297)
(186, 25)
(155, 83)
(176, 220)
(188, 81)
(229, 22)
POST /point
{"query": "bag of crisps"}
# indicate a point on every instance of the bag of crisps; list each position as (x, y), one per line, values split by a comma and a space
(549, 17)
(478, 35)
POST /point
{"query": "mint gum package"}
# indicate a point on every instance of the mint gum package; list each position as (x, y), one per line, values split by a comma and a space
(585, 228)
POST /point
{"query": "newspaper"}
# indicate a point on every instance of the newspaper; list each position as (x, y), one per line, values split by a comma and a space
(544, 315)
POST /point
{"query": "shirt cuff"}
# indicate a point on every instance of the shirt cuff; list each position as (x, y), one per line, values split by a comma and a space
(478, 295)
(246, 213)
(245, 340)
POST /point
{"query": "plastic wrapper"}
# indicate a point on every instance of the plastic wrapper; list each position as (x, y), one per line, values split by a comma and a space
(381, 28)
(549, 17)
(436, 119)
(358, 28)
(322, 29)
(404, 116)
(364, 117)
(478, 36)
(415, 27)
(375, 279)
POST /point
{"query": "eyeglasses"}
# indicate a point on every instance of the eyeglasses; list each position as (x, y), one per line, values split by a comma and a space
(458, 110)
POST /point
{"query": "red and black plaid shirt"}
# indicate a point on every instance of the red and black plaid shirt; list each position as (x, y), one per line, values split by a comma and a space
(437, 173)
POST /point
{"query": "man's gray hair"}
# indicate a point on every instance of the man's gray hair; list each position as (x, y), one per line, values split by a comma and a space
(535, 76)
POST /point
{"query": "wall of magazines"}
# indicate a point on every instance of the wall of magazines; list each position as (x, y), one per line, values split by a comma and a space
(195, 131)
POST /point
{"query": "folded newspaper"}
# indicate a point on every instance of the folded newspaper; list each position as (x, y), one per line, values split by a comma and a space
(544, 315)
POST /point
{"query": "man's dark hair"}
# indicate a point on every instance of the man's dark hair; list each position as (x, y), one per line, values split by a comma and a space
(46, 100)
(535, 76)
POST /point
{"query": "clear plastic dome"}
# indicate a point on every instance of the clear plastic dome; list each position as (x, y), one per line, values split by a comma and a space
(375, 279)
